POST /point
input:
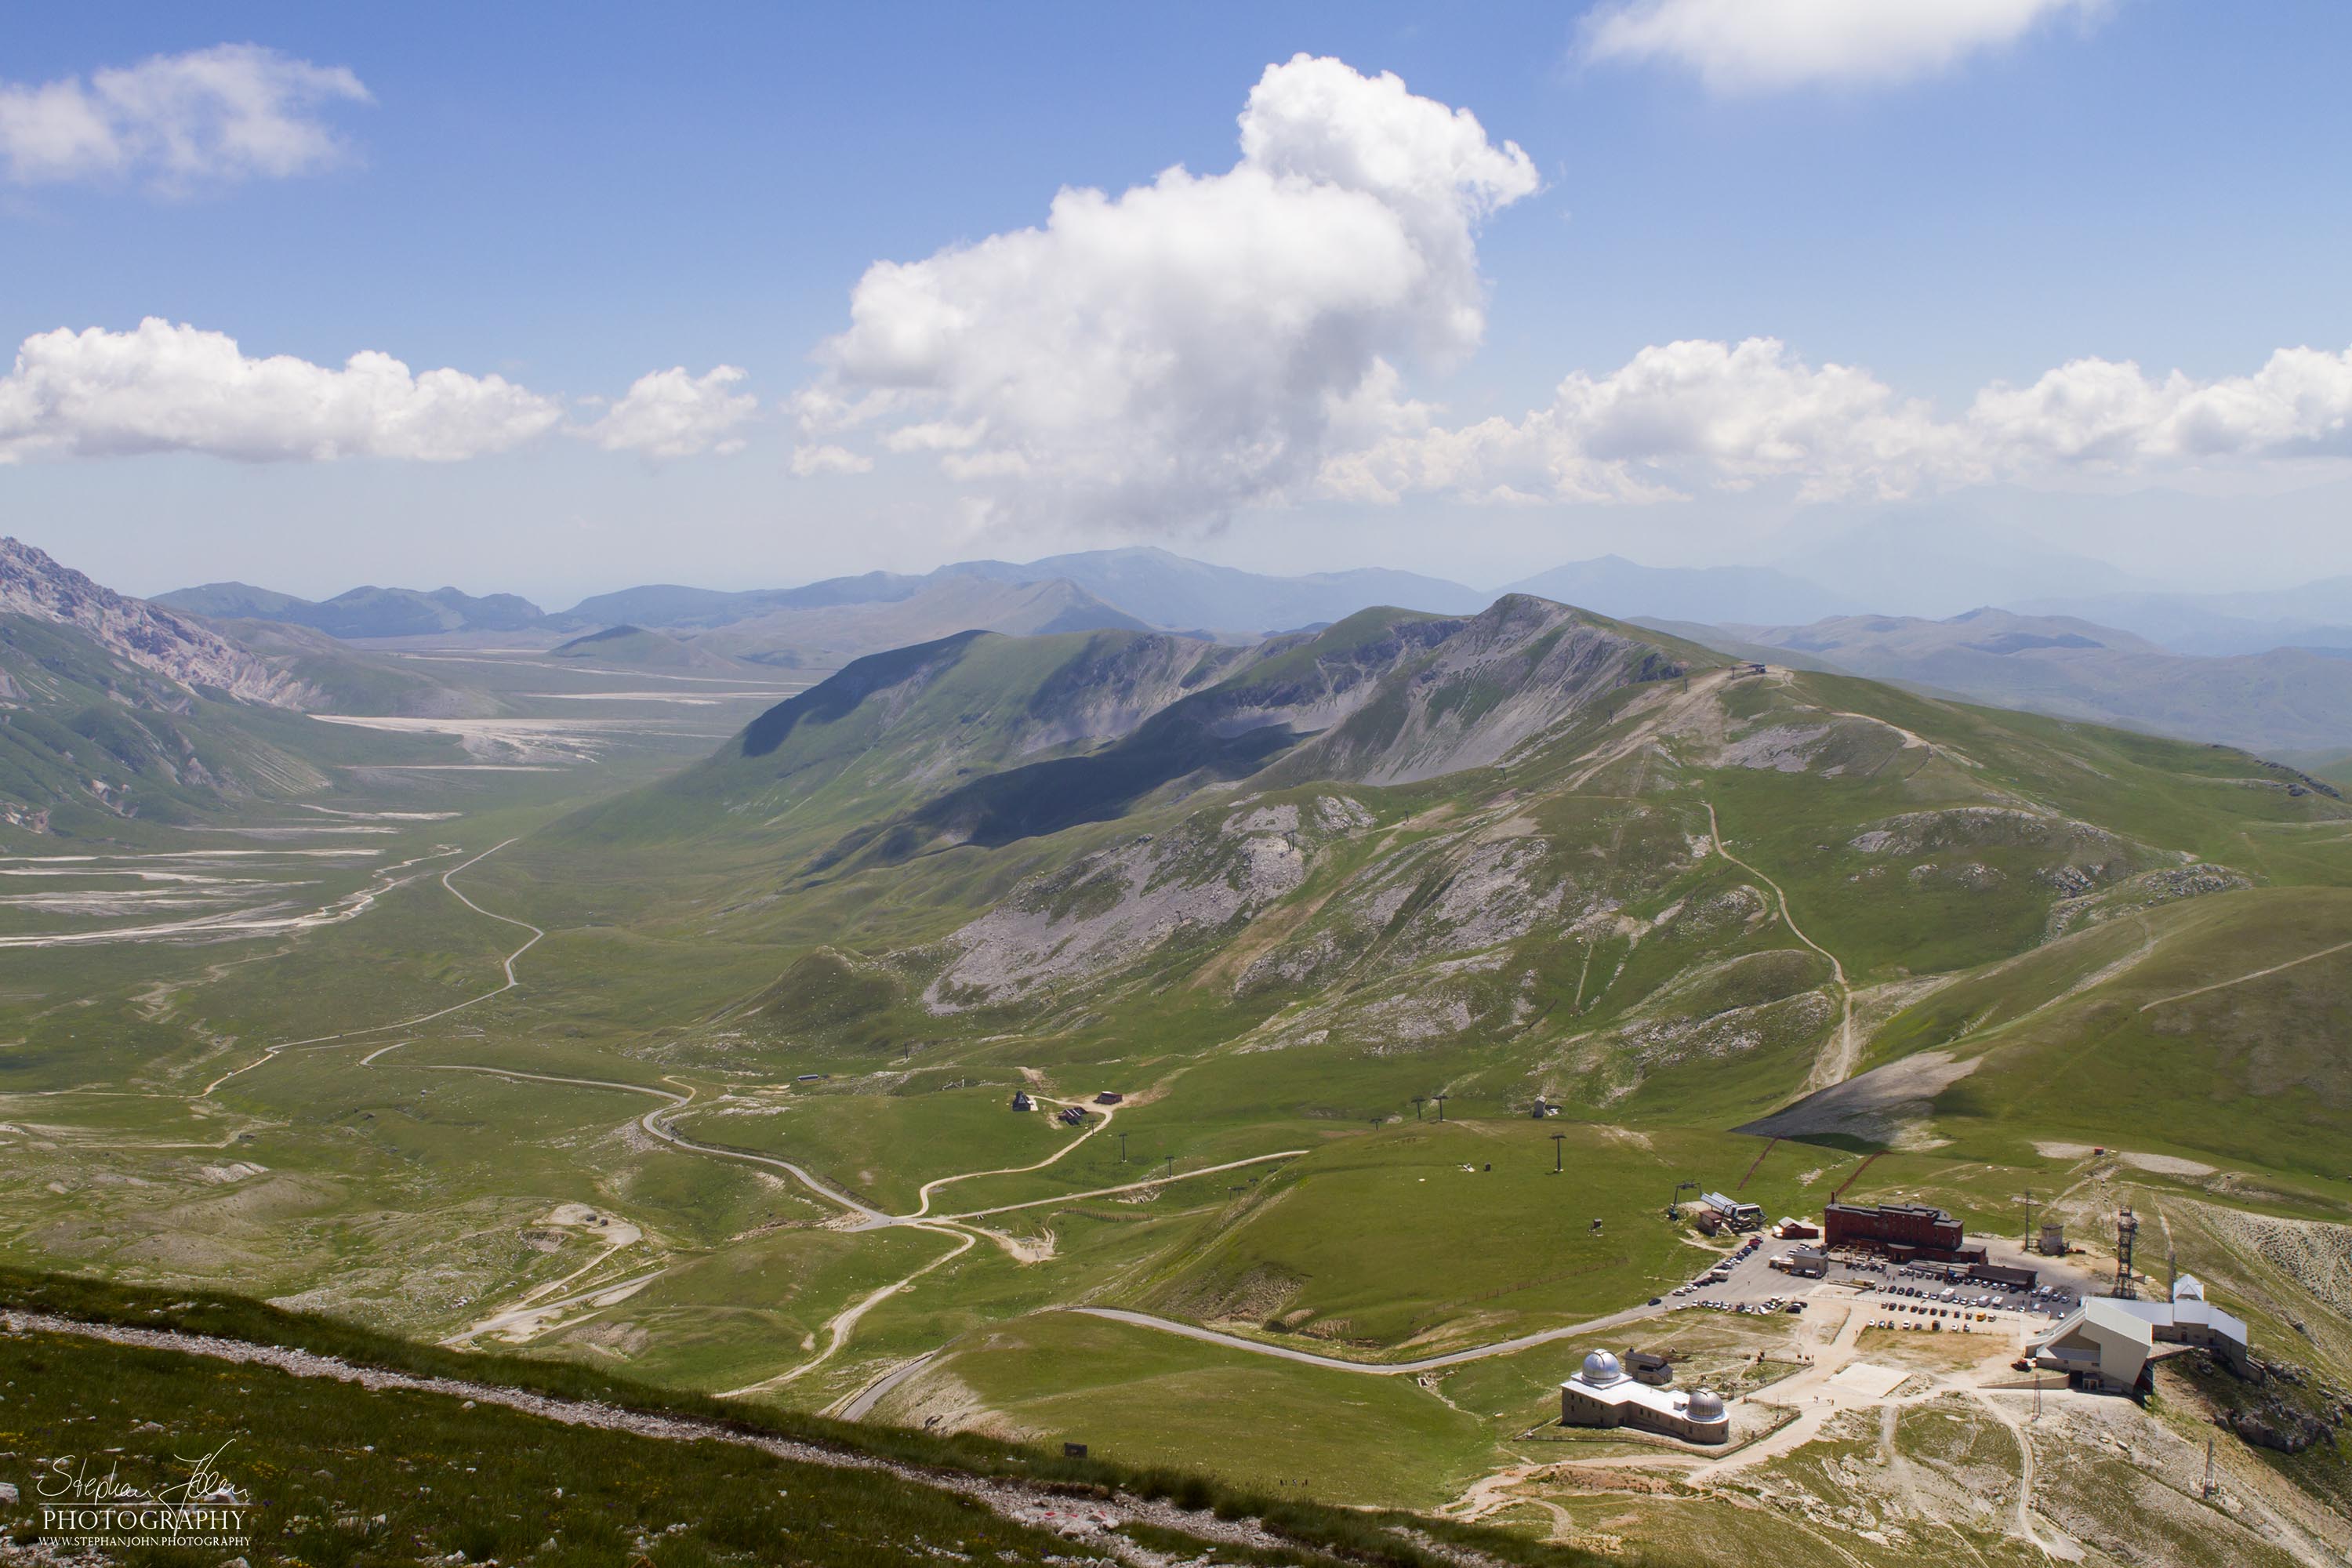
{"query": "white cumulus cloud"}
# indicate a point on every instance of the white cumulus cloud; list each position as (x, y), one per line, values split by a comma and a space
(230, 112)
(809, 460)
(1729, 417)
(165, 388)
(1752, 45)
(670, 414)
(1161, 357)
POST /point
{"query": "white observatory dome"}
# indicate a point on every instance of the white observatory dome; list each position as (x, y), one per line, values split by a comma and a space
(1600, 1367)
(1706, 1406)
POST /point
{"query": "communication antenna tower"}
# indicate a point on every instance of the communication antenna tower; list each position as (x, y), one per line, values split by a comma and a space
(2127, 1233)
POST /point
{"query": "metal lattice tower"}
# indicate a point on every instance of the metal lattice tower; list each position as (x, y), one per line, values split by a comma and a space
(2127, 1233)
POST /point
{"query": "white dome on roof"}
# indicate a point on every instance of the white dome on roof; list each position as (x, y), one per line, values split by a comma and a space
(1600, 1367)
(1706, 1406)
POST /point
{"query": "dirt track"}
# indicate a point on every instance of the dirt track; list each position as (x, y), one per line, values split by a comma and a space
(1090, 1521)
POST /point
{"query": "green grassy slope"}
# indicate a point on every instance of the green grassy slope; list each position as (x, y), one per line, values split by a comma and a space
(1645, 890)
(341, 1474)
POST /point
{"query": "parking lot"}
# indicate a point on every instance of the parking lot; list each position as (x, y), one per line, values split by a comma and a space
(1924, 1296)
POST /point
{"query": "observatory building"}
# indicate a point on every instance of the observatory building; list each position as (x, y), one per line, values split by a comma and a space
(1603, 1395)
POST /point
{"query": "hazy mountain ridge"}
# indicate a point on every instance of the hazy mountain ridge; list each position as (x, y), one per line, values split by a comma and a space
(2313, 614)
(1616, 586)
(2275, 699)
(2285, 699)
(828, 635)
(359, 613)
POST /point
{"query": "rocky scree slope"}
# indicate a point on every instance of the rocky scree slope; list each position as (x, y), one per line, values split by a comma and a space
(34, 585)
(1388, 696)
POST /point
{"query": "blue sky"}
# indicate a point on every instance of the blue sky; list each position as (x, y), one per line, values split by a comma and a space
(572, 198)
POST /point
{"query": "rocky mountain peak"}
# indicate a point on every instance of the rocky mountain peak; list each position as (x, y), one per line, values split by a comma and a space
(34, 585)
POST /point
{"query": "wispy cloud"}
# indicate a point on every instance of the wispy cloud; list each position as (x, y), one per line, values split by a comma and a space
(808, 461)
(1738, 45)
(234, 111)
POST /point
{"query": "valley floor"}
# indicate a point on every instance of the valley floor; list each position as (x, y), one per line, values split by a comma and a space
(468, 1092)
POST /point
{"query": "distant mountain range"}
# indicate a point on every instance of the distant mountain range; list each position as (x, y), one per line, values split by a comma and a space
(2284, 699)
(362, 613)
(1861, 573)
(1718, 595)
(826, 636)
(2259, 670)
(2317, 614)
(1140, 586)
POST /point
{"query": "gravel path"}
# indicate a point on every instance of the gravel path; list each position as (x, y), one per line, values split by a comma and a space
(1375, 1369)
(1085, 1520)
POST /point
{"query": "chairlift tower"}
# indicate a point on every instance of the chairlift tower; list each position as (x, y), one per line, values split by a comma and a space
(1557, 1140)
(1441, 1105)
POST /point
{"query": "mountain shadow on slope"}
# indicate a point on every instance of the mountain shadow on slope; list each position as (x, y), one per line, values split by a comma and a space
(1046, 797)
(1390, 695)
(837, 697)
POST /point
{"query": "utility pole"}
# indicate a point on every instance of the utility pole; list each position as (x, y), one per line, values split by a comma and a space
(2212, 1483)
(1122, 1148)
(1441, 1106)
(1418, 1101)
(2025, 1235)
(1557, 1140)
(1171, 1167)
